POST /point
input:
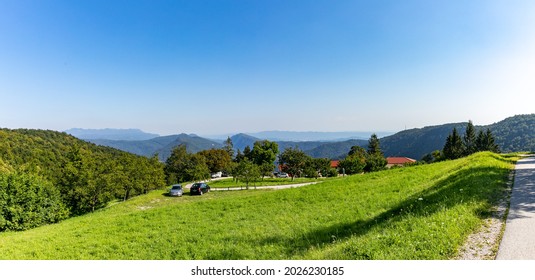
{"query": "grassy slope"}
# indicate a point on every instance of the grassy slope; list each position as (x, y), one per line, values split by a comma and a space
(230, 183)
(422, 212)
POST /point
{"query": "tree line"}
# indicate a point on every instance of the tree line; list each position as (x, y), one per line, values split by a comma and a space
(458, 146)
(359, 160)
(249, 165)
(260, 161)
(47, 176)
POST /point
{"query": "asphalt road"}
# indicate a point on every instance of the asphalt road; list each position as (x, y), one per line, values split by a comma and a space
(518, 241)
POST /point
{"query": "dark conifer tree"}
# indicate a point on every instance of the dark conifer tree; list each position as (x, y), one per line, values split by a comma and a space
(239, 156)
(453, 148)
(490, 143)
(375, 160)
(469, 139)
(247, 152)
(374, 146)
(480, 141)
(229, 147)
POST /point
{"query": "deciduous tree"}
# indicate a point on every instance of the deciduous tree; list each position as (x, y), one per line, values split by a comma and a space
(264, 154)
(216, 159)
(293, 161)
(355, 162)
(246, 171)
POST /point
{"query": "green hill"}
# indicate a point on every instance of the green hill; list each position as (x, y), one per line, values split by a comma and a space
(160, 145)
(512, 134)
(42, 169)
(415, 143)
(420, 212)
(515, 133)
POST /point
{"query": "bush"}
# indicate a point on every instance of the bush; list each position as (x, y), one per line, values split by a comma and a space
(27, 202)
(332, 172)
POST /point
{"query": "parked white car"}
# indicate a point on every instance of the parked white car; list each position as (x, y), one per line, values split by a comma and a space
(217, 174)
(283, 175)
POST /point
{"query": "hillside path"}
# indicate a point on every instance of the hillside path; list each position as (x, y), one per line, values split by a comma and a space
(276, 187)
(518, 241)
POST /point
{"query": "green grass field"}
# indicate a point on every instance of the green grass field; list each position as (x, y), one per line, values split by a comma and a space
(230, 183)
(420, 212)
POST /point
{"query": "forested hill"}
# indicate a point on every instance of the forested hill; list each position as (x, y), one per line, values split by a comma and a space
(162, 145)
(415, 143)
(515, 133)
(48, 176)
(512, 134)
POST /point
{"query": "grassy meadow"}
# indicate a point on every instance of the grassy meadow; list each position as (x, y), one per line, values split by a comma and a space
(420, 212)
(231, 183)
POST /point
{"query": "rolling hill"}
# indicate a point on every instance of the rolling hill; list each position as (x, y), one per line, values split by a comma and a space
(46, 176)
(421, 212)
(512, 134)
(415, 143)
(162, 145)
(111, 134)
(515, 133)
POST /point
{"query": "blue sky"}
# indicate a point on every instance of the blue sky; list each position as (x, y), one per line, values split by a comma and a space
(214, 67)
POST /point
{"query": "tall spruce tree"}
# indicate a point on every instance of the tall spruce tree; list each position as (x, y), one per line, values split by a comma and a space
(469, 140)
(374, 146)
(375, 159)
(229, 147)
(453, 148)
(491, 144)
(485, 142)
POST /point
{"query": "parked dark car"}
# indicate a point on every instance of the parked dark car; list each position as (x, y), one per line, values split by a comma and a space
(176, 190)
(199, 188)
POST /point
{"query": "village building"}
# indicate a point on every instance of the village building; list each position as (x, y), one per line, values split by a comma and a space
(398, 161)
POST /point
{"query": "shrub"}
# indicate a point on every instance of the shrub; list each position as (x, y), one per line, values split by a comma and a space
(27, 202)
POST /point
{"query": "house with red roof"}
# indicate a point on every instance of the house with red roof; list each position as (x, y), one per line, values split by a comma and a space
(335, 163)
(398, 161)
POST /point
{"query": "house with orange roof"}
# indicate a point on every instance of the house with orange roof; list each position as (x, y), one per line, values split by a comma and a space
(335, 163)
(398, 161)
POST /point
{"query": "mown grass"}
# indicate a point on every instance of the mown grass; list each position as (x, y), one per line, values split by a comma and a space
(231, 183)
(421, 212)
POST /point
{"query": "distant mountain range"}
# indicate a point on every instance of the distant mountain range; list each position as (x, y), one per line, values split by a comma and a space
(512, 134)
(111, 134)
(162, 145)
(305, 136)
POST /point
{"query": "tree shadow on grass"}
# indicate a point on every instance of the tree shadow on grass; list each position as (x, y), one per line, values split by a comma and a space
(465, 186)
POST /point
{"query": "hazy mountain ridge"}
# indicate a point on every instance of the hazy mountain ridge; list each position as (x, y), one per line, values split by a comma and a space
(131, 134)
(415, 143)
(512, 134)
(162, 145)
(314, 136)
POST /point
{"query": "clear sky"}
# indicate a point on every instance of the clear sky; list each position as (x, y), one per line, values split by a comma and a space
(214, 67)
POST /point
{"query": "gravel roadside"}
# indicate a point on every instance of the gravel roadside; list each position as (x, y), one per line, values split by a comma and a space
(484, 243)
